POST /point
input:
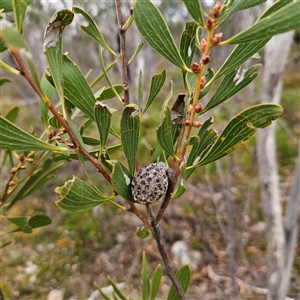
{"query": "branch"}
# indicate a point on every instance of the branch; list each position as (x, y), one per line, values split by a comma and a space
(122, 32)
(164, 255)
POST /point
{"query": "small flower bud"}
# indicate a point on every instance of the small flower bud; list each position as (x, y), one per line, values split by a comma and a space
(187, 123)
(190, 109)
(217, 38)
(131, 10)
(203, 82)
(195, 68)
(29, 159)
(198, 108)
(50, 135)
(21, 157)
(58, 138)
(23, 167)
(11, 183)
(206, 60)
(197, 124)
(13, 170)
(203, 44)
(209, 23)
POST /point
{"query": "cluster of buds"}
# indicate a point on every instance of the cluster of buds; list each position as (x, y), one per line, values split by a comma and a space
(214, 15)
(216, 39)
(198, 108)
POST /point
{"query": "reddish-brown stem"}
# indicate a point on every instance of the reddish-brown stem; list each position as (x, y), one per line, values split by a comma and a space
(135, 211)
(62, 121)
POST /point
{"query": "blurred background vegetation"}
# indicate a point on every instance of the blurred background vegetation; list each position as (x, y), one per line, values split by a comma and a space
(78, 249)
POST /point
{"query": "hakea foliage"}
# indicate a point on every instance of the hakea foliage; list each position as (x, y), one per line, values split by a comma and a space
(181, 137)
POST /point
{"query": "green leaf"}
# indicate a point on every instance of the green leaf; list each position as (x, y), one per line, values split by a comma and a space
(92, 29)
(76, 88)
(140, 89)
(22, 223)
(277, 5)
(180, 190)
(48, 91)
(7, 5)
(155, 31)
(283, 20)
(98, 78)
(10, 36)
(145, 278)
(4, 80)
(206, 139)
(143, 232)
(116, 289)
(229, 7)
(184, 276)
(121, 181)
(36, 181)
(19, 7)
(14, 138)
(157, 82)
(136, 52)
(90, 140)
(103, 120)
(39, 220)
(249, 4)
(155, 282)
(238, 56)
(236, 133)
(164, 133)
(130, 127)
(13, 114)
(77, 196)
(107, 77)
(188, 45)
(109, 93)
(8, 68)
(195, 10)
(229, 87)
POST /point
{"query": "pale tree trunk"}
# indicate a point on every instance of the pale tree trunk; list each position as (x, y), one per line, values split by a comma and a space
(276, 55)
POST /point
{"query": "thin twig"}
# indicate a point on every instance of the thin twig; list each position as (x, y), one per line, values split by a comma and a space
(123, 53)
(164, 255)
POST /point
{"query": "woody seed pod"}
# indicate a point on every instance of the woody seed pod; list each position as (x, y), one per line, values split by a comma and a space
(151, 182)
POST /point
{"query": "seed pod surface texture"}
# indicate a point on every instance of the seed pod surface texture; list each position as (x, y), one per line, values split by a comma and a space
(151, 182)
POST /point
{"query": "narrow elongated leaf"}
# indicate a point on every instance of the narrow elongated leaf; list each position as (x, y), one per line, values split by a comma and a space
(39, 220)
(37, 180)
(14, 138)
(77, 196)
(157, 82)
(249, 4)
(229, 7)
(180, 189)
(206, 139)
(155, 282)
(76, 88)
(8, 68)
(48, 90)
(228, 87)
(19, 8)
(188, 45)
(277, 5)
(184, 276)
(195, 10)
(237, 132)
(164, 133)
(130, 127)
(121, 181)
(283, 20)
(136, 52)
(155, 31)
(4, 80)
(103, 119)
(92, 29)
(145, 279)
(107, 77)
(109, 93)
(7, 5)
(238, 56)
(116, 289)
